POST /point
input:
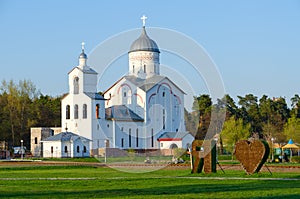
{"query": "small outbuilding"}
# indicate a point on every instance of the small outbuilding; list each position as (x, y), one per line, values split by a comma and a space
(173, 140)
(65, 144)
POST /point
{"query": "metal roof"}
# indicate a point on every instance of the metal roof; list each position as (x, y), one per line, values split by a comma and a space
(95, 96)
(144, 43)
(173, 135)
(64, 136)
(121, 113)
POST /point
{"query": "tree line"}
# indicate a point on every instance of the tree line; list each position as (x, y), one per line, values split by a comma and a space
(22, 106)
(265, 118)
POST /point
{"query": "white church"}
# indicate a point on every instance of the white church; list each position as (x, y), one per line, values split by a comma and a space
(143, 110)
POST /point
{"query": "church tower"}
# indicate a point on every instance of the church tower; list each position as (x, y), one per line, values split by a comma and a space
(144, 56)
(82, 79)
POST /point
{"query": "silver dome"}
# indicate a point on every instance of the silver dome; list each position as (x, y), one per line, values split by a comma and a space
(144, 43)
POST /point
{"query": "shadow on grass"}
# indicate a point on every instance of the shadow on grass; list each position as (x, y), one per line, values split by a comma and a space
(159, 188)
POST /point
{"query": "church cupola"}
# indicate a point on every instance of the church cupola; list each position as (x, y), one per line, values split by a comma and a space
(144, 55)
(83, 58)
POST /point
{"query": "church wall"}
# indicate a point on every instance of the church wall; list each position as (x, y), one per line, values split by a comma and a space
(126, 93)
(124, 130)
(90, 83)
(37, 134)
(165, 108)
(56, 150)
(79, 126)
(144, 64)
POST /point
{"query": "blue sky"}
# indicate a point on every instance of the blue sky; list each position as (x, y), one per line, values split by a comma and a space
(255, 44)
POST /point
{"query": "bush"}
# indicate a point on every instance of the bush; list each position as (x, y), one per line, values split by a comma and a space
(296, 159)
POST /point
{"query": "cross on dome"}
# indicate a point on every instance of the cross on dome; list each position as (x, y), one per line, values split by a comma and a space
(143, 18)
(82, 46)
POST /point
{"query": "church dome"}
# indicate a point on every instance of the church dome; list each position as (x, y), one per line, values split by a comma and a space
(144, 43)
(82, 55)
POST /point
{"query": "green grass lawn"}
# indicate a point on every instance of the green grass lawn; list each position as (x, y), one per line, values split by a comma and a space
(67, 182)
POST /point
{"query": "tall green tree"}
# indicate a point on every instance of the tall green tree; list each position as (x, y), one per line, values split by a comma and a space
(296, 105)
(250, 112)
(203, 105)
(273, 115)
(17, 106)
(292, 129)
(233, 131)
(47, 111)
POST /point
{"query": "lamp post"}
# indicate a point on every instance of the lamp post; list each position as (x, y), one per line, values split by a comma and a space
(22, 149)
(272, 139)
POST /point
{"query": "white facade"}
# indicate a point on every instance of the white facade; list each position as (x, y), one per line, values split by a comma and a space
(134, 113)
(83, 108)
(66, 144)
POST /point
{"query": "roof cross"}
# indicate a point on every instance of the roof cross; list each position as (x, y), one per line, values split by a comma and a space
(82, 46)
(143, 18)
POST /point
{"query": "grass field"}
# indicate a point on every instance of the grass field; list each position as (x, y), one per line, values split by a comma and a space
(102, 182)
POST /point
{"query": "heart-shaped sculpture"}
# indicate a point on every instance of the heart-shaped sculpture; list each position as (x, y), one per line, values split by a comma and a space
(252, 155)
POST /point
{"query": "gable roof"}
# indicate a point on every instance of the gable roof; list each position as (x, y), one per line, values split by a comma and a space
(173, 136)
(64, 136)
(121, 113)
(144, 84)
(88, 71)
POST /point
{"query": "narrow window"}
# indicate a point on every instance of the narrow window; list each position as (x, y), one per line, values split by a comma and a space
(35, 140)
(137, 137)
(122, 128)
(78, 149)
(97, 111)
(129, 139)
(76, 111)
(164, 119)
(152, 138)
(124, 94)
(68, 112)
(144, 68)
(163, 94)
(66, 149)
(76, 85)
(122, 142)
(133, 69)
(84, 149)
(84, 111)
(51, 149)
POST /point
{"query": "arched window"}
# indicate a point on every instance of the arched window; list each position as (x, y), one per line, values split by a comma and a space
(76, 85)
(84, 111)
(129, 139)
(75, 111)
(97, 111)
(68, 112)
(137, 137)
(66, 149)
(78, 149)
(84, 149)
